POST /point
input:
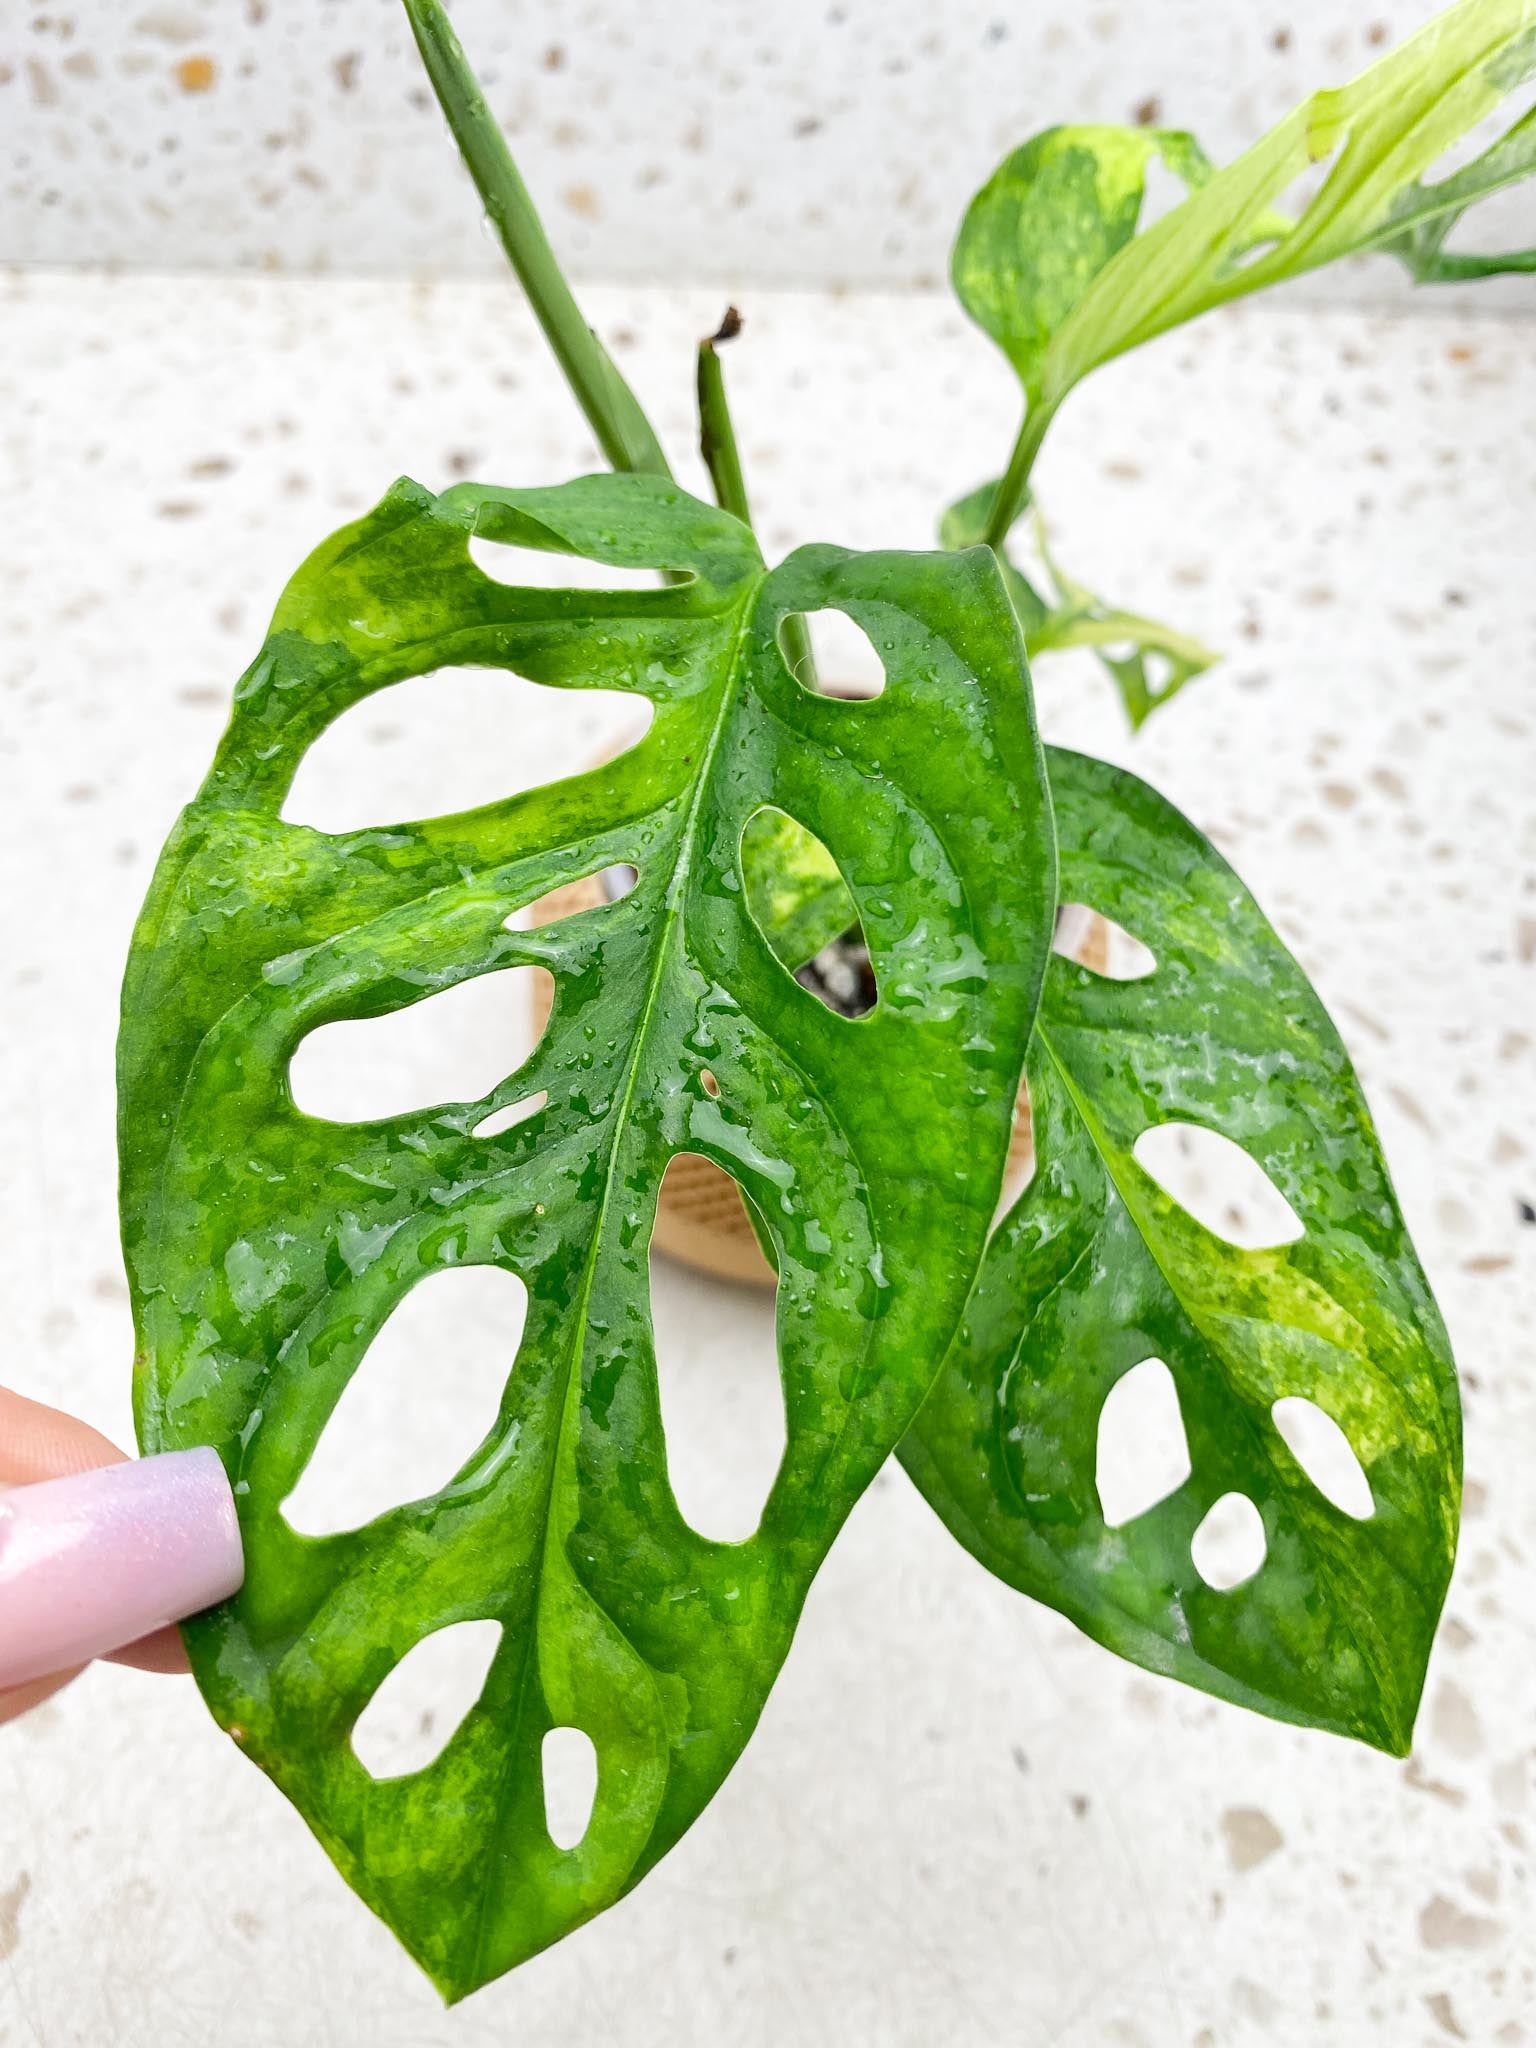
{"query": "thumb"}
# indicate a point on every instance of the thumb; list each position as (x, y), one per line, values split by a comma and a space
(98, 1552)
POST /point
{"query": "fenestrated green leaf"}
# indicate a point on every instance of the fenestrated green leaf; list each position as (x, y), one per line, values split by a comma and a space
(1383, 131)
(1047, 221)
(266, 1247)
(1424, 215)
(1096, 1269)
(1148, 662)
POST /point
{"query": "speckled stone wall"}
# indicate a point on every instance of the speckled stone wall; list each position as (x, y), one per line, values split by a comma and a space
(810, 142)
(960, 1824)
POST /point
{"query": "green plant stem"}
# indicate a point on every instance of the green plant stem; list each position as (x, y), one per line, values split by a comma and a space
(717, 435)
(717, 445)
(626, 436)
(1013, 489)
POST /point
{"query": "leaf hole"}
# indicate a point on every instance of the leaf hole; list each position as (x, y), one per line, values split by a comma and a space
(803, 907)
(509, 1117)
(1159, 668)
(717, 1375)
(1143, 1453)
(569, 1761)
(421, 1705)
(1090, 939)
(710, 1085)
(454, 1046)
(842, 976)
(1218, 1184)
(1251, 253)
(454, 740)
(525, 568)
(421, 1402)
(1325, 1454)
(589, 892)
(1229, 1546)
(1286, 209)
(846, 661)
(1019, 1167)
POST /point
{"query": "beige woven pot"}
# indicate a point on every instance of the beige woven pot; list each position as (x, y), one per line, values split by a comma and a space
(699, 1214)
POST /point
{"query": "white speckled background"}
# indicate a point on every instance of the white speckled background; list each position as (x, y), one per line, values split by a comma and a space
(959, 1824)
(810, 143)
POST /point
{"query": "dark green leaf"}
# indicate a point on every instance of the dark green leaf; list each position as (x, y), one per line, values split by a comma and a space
(266, 1247)
(1096, 1269)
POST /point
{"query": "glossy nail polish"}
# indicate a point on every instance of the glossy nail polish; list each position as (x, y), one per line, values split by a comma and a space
(96, 1560)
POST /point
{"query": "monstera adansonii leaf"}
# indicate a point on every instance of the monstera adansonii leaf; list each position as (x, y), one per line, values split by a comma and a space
(1034, 238)
(1096, 1269)
(266, 1247)
(1380, 136)
(1049, 218)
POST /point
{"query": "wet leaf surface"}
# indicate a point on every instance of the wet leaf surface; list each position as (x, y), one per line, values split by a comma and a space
(1096, 1268)
(266, 1247)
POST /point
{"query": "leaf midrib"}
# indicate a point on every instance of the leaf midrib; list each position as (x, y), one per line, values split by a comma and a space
(571, 1390)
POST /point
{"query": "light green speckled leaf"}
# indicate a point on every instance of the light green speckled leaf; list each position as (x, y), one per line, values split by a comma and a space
(1379, 136)
(1047, 221)
(1097, 1269)
(266, 1247)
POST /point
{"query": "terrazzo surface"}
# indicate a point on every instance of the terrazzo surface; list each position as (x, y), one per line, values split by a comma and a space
(814, 143)
(959, 1822)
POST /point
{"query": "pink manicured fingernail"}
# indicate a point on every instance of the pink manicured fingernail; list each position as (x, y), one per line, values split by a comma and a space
(97, 1560)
